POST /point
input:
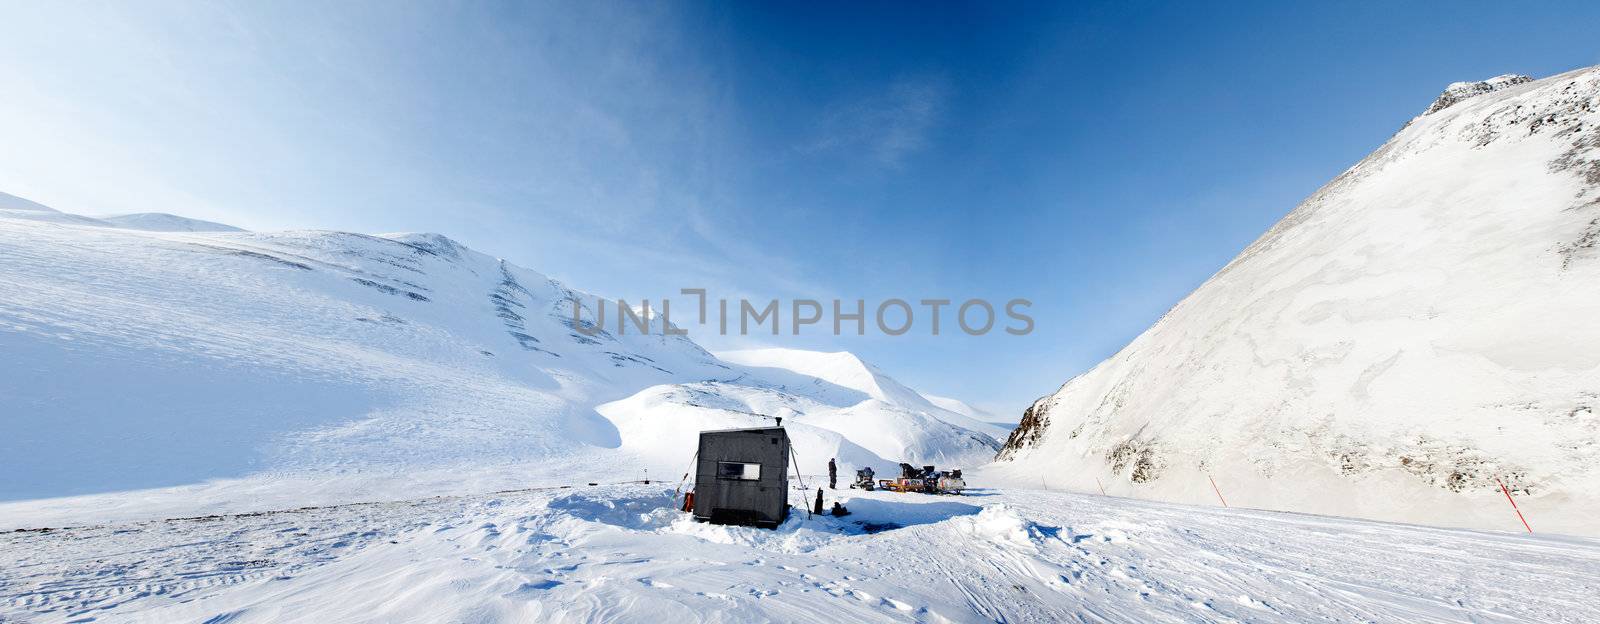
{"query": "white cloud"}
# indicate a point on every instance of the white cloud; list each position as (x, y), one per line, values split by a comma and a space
(888, 125)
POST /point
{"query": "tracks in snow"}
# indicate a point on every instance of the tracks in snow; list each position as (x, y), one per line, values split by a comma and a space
(614, 553)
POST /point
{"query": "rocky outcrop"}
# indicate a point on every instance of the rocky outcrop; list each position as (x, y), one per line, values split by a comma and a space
(1458, 91)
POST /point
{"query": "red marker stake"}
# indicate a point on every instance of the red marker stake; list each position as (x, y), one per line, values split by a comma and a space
(1513, 504)
(1218, 491)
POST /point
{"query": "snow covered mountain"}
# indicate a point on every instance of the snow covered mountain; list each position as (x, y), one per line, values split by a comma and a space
(11, 202)
(833, 404)
(975, 413)
(167, 357)
(1418, 331)
(848, 371)
(13, 207)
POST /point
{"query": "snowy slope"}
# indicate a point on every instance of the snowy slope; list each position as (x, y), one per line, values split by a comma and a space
(12, 202)
(163, 222)
(842, 369)
(974, 414)
(618, 554)
(834, 405)
(13, 207)
(235, 370)
(845, 370)
(1417, 331)
(183, 357)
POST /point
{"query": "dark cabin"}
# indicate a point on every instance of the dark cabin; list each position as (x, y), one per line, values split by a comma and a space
(742, 477)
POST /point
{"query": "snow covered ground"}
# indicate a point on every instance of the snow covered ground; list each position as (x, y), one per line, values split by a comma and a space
(618, 553)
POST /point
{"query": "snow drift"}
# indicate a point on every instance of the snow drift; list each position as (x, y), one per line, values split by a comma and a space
(1415, 333)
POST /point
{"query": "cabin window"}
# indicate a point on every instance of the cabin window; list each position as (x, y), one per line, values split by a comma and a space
(738, 471)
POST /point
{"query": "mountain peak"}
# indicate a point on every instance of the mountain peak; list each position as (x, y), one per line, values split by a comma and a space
(1458, 91)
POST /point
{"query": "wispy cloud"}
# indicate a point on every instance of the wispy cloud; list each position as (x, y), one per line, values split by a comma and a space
(888, 126)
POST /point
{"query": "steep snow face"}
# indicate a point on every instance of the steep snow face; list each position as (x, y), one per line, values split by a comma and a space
(372, 366)
(163, 222)
(1415, 333)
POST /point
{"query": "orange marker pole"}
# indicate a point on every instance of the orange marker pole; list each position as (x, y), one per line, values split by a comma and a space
(1217, 490)
(1513, 504)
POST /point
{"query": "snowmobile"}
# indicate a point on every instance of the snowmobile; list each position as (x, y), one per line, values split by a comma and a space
(864, 480)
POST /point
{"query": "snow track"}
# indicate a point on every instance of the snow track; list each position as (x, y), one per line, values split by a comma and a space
(617, 553)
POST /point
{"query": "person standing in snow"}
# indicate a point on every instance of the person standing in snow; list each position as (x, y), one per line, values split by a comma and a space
(818, 508)
(833, 475)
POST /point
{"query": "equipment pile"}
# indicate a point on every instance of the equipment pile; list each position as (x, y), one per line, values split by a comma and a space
(925, 480)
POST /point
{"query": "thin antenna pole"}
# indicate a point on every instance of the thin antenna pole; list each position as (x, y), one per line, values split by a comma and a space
(675, 492)
(797, 475)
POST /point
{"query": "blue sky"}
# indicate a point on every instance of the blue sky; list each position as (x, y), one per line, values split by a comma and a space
(1099, 160)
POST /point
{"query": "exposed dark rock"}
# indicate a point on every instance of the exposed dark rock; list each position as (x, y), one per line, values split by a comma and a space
(1141, 457)
(1459, 91)
(1028, 431)
(387, 289)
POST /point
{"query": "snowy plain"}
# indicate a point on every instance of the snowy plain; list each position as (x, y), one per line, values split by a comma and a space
(619, 553)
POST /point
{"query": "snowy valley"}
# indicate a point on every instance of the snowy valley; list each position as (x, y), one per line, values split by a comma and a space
(209, 424)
